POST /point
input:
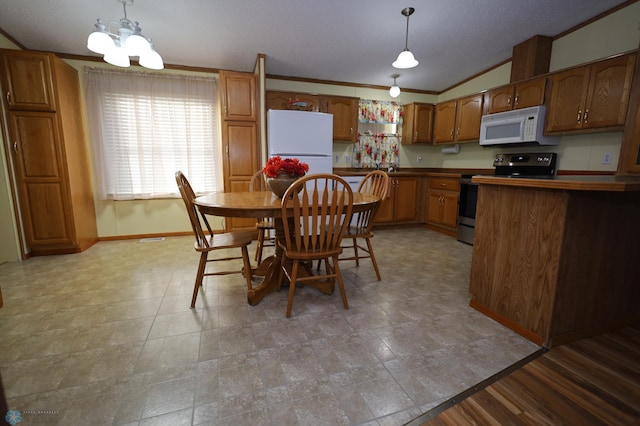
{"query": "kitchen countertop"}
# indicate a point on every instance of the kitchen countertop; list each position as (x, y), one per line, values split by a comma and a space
(414, 172)
(568, 182)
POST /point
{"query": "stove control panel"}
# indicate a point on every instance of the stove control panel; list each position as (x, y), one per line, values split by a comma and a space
(542, 164)
(526, 160)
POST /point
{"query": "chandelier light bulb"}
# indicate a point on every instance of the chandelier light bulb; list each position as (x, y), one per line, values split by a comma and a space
(394, 91)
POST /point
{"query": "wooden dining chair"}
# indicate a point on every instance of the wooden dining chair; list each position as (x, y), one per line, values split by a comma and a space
(317, 208)
(264, 225)
(206, 242)
(375, 183)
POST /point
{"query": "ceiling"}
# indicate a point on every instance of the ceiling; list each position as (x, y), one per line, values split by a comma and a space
(351, 41)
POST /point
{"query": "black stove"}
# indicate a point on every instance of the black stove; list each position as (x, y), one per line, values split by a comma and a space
(534, 165)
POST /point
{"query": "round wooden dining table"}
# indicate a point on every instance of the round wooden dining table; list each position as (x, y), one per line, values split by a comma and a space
(261, 204)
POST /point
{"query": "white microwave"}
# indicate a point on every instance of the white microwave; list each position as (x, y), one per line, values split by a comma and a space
(517, 127)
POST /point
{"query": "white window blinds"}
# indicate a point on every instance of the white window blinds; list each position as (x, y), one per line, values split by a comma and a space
(146, 126)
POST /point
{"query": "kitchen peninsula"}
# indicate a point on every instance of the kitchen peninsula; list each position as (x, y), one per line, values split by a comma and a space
(557, 259)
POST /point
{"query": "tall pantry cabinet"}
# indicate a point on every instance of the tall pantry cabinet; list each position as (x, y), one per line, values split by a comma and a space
(47, 149)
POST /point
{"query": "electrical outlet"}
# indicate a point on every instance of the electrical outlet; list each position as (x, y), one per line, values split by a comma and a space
(606, 158)
(347, 158)
(419, 158)
(337, 158)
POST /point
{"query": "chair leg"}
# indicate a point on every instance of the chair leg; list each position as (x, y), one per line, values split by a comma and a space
(201, 267)
(247, 267)
(280, 273)
(292, 286)
(259, 246)
(355, 251)
(373, 258)
(343, 293)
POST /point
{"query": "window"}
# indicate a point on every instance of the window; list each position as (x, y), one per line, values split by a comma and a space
(146, 126)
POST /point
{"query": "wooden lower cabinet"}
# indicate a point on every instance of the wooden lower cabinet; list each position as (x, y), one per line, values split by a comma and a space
(443, 194)
(556, 265)
(401, 206)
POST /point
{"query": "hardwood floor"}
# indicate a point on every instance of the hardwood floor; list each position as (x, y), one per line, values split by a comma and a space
(588, 382)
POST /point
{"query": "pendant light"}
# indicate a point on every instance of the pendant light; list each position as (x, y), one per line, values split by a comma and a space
(405, 58)
(128, 41)
(394, 91)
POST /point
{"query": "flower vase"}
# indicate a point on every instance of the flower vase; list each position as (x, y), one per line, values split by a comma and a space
(280, 183)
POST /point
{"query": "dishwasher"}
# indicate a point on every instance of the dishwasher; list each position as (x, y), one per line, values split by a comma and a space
(354, 183)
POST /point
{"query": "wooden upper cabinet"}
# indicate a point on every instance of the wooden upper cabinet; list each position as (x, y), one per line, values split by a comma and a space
(458, 120)
(592, 96)
(500, 99)
(445, 122)
(239, 96)
(468, 116)
(417, 125)
(522, 95)
(608, 93)
(345, 117)
(293, 101)
(27, 81)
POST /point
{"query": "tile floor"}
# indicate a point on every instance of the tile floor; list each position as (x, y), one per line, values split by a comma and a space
(106, 337)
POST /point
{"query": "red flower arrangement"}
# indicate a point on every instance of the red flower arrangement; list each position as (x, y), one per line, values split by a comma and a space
(290, 166)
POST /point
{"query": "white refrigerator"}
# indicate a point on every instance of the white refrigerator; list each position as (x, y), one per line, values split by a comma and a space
(305, 135)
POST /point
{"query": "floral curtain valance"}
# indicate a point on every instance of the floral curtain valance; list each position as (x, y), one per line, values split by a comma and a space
(383, 112)
(376, 150)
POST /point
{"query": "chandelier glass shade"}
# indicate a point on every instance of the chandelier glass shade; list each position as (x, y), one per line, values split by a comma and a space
(394, 91)
(406, 59)
(126, 41)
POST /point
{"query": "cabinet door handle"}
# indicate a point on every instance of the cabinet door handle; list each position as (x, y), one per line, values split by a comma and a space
(515, 101)
(15, 146)
(8, 97)
(451, 132)
(579, 115)
(416, 137)
(443, 184)
(352, 130)
(509, 100)
(585, 116)
(458, 131)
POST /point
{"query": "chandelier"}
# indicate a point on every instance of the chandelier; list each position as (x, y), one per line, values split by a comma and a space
(405, 58)
(127, 41)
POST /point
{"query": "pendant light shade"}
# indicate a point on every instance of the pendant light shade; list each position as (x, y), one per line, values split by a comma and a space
(128, 41)
(405, 58)
(151, 59)
(394, 91)
(99, 41)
